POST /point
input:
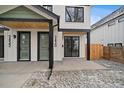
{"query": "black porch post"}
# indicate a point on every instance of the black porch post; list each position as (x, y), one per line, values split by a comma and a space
(88, 45)
(50, 45)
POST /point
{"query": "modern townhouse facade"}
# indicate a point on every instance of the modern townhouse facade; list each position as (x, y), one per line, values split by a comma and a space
(44, 33)
(109, 30)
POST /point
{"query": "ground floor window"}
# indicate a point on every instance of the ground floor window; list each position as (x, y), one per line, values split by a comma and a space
(71, 46)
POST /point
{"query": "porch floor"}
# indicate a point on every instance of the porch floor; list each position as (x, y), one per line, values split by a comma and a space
(65, 65)
(76, 64)
(14, 74)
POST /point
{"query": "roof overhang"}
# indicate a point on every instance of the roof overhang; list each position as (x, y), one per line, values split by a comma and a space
(74, 33)
(46, 11)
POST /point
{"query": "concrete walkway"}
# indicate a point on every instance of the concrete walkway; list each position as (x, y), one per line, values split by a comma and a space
(15, 74)
(72, 64)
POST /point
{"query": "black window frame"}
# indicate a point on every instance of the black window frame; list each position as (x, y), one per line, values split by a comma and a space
(110, 44)
(118, 45)
(48, 6)
(121, 19)
(75, 9)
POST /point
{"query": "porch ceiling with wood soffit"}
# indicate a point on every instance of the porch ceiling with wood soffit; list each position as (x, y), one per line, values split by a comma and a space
(25, 25)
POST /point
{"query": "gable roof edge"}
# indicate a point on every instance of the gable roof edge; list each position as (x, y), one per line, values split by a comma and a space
(46, 11)
(111, 16)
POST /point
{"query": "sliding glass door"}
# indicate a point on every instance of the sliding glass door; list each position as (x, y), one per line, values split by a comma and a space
(24, 46)
(71, 46)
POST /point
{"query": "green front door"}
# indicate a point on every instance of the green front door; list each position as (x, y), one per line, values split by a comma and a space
(43, 46)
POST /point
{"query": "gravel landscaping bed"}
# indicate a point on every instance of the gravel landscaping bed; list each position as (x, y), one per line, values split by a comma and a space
(113, 77)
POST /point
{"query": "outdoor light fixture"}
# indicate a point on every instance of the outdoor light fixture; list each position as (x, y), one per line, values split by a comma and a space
(14, 36)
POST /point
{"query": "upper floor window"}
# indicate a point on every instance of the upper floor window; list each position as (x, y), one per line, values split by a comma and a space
(48, 7)
(121, 19)
(111, 23)
(74, 14)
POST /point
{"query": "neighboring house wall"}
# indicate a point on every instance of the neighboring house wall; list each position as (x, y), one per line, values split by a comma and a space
(110, 32)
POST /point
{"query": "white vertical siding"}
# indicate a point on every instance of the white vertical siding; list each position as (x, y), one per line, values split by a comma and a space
(58, 49)
(121, 31)
(105, 34)
(82, 46)
(10, 53)
(34, 46)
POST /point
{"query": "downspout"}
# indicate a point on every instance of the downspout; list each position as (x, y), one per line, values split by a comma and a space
(51, 69)
(88, 45)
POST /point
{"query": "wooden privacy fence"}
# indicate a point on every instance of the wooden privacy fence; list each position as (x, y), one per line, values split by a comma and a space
(114, 53)
(106, 52)
(96, 51)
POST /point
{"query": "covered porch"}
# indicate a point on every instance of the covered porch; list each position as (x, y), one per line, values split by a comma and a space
(22, 30)
(26, 25)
